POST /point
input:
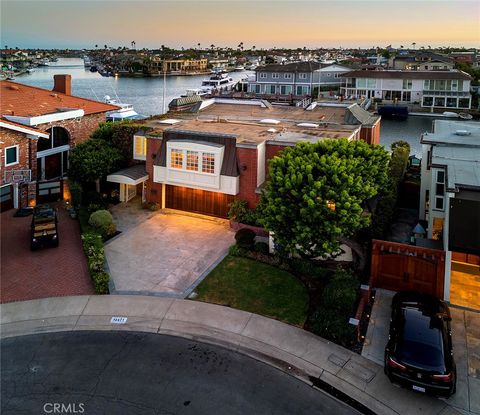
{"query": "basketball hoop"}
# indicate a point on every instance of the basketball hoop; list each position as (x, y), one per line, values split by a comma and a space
(18, 176)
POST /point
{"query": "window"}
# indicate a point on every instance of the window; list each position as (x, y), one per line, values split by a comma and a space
(426, 85)
(176, 159)
(285, 89)
(302, 76)
(263, 75)
(208, 163)
(192, 160)
(11, 155)
(275, 75)
(271, 89)
(439, 189)
(427, 101)
(439, 102)
(463, 103)
(288, 76)
(452, 102)
(407, 84)
(139, 148)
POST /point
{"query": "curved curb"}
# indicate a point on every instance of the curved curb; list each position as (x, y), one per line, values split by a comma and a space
(288, 348)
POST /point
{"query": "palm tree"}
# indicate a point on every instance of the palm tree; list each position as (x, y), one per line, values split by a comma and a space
(133, 43)
(413, 44)
(105, 47)
(96, 46)
(198, 44)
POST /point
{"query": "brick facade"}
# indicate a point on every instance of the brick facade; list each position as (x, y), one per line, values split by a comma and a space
(153, 190)
(247, 162)
(11, 138)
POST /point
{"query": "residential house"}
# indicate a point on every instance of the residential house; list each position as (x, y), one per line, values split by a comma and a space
(450, 202)
(431, 89)
(202, 160)
(294, 81)
(421, 61)
(38, 129)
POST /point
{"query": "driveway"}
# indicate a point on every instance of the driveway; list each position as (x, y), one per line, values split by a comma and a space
(49, 272)
(466, 346)
(167, 254)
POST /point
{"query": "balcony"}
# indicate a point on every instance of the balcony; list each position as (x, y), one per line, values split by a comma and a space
(446, 93)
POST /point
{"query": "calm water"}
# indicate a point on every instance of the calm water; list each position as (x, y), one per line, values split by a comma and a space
(146, 95)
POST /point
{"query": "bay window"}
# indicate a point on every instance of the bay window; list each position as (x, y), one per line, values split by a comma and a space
(208, 163)
(176, 159)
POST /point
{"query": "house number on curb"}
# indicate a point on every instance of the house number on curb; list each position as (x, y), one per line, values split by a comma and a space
(118, 320)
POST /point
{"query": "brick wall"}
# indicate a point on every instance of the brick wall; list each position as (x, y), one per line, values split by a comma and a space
(153, 190)
(247, 161)
(10, 138)
(371, 135)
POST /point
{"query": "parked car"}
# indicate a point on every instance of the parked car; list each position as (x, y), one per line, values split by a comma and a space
(44, 229)
(419, 352)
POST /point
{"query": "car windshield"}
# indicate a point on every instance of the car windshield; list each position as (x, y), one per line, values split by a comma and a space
(421, 343)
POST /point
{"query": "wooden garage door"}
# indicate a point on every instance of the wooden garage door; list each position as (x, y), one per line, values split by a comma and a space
(401, 267)
(6, 198)
(198, 201)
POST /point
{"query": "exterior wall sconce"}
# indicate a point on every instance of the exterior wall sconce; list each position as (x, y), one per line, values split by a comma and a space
(331, 205)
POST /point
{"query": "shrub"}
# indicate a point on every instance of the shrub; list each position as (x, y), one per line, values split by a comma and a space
(239, 212)
(332, 325)
(341, 293)
(100, 282)
(75, 192)
(236, 250)
(100, 219)
(261, 247)
(245, 238)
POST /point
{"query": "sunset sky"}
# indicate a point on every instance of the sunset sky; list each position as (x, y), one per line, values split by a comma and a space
(263, 23)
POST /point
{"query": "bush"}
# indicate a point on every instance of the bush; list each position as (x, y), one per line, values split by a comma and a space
(309, 269)
(245, 238)
(261, 247)
(93, 248)
(100, 219)
(75, 192)
(236, 250)
(239, 212)
(332, 325)
(100, 282)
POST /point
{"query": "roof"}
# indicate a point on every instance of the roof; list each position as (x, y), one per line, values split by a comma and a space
(29, 101)
(391, 74)
(355, 114)
(131, 175)
(22, 128)
(290, 67)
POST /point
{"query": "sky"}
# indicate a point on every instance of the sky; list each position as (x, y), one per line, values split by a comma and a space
(263, 23)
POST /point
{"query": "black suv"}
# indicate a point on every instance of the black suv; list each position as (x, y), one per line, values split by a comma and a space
(419, 352)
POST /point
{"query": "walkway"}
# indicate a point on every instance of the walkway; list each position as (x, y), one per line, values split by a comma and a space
(288, 348)
(48, 272)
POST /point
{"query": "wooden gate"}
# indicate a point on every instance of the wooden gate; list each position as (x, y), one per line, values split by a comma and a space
(401, 267)
(49, 191)
(198, 201)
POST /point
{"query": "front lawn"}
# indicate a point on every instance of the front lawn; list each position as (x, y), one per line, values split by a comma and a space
(256, 287)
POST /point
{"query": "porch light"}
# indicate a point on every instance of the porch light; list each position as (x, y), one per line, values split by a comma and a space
(331, 205)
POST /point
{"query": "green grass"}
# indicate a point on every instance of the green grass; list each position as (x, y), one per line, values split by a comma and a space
(256, 287)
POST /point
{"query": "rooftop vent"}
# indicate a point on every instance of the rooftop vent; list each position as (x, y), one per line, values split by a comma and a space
(307, 125)
(169, 121)
(269, 121)
(462, 132)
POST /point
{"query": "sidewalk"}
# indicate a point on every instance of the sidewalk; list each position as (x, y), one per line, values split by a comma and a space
(288, 348)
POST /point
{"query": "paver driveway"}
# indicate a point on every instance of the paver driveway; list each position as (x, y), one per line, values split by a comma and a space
(48, 272)
(166, 254)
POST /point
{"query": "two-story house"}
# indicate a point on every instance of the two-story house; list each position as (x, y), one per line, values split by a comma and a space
(431, 89)
(450, 203)
(294, 81)
(38, 129)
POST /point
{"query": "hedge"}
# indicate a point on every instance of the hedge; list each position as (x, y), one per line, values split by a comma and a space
(93, 248)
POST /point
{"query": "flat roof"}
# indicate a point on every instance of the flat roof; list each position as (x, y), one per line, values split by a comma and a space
(446, 132)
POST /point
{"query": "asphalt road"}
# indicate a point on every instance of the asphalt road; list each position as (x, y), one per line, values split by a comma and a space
(139, 373)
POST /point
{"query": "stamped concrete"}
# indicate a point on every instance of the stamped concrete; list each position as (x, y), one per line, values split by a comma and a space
(466, 346)
(166, 254)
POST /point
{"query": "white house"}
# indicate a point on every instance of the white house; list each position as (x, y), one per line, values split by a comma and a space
(431, 89)
(450, 203)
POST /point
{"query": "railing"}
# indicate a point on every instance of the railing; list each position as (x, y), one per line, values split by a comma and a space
(447, 93)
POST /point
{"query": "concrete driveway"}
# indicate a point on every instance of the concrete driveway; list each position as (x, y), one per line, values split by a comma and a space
(466, 346)
(166, 254)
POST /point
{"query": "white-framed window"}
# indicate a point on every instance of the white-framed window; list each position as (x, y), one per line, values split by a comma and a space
(275, 75)
(139, 147)
(302, 76)
(176, 158)
(407, 84)
(208, 163)
(11, 155)
(263, 75)
(439, 190)
(337, 75)
(271, 89)
(192, 160)
(287, 76)
(285, 89)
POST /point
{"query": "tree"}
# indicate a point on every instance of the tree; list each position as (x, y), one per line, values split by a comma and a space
(93, 160)
(317, 192)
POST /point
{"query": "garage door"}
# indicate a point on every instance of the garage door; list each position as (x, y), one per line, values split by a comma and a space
(198, 201)
(6, 198)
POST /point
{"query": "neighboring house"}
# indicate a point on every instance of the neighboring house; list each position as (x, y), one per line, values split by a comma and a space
(38, 128)
(450, 192)
(432, 89)
(203, 160)
(422, 61)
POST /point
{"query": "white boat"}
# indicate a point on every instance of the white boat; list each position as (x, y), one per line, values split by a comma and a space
(195, 91)
(218, 82)
(465, 116)
(239, 68)
(126, 111)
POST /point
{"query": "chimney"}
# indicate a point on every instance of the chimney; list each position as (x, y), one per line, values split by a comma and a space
(62, 84)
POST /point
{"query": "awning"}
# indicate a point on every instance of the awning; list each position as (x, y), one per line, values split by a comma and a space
(132, 175)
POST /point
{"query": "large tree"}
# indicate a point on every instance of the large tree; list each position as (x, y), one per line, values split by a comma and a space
(93, 160)
(316, 194)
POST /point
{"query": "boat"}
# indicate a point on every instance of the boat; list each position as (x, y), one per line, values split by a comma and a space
(195, 91)
(125, 112)
(218, 82)
(239, 68)
(450, 114)
(398, 112)
(465, 116)
(43, 63)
